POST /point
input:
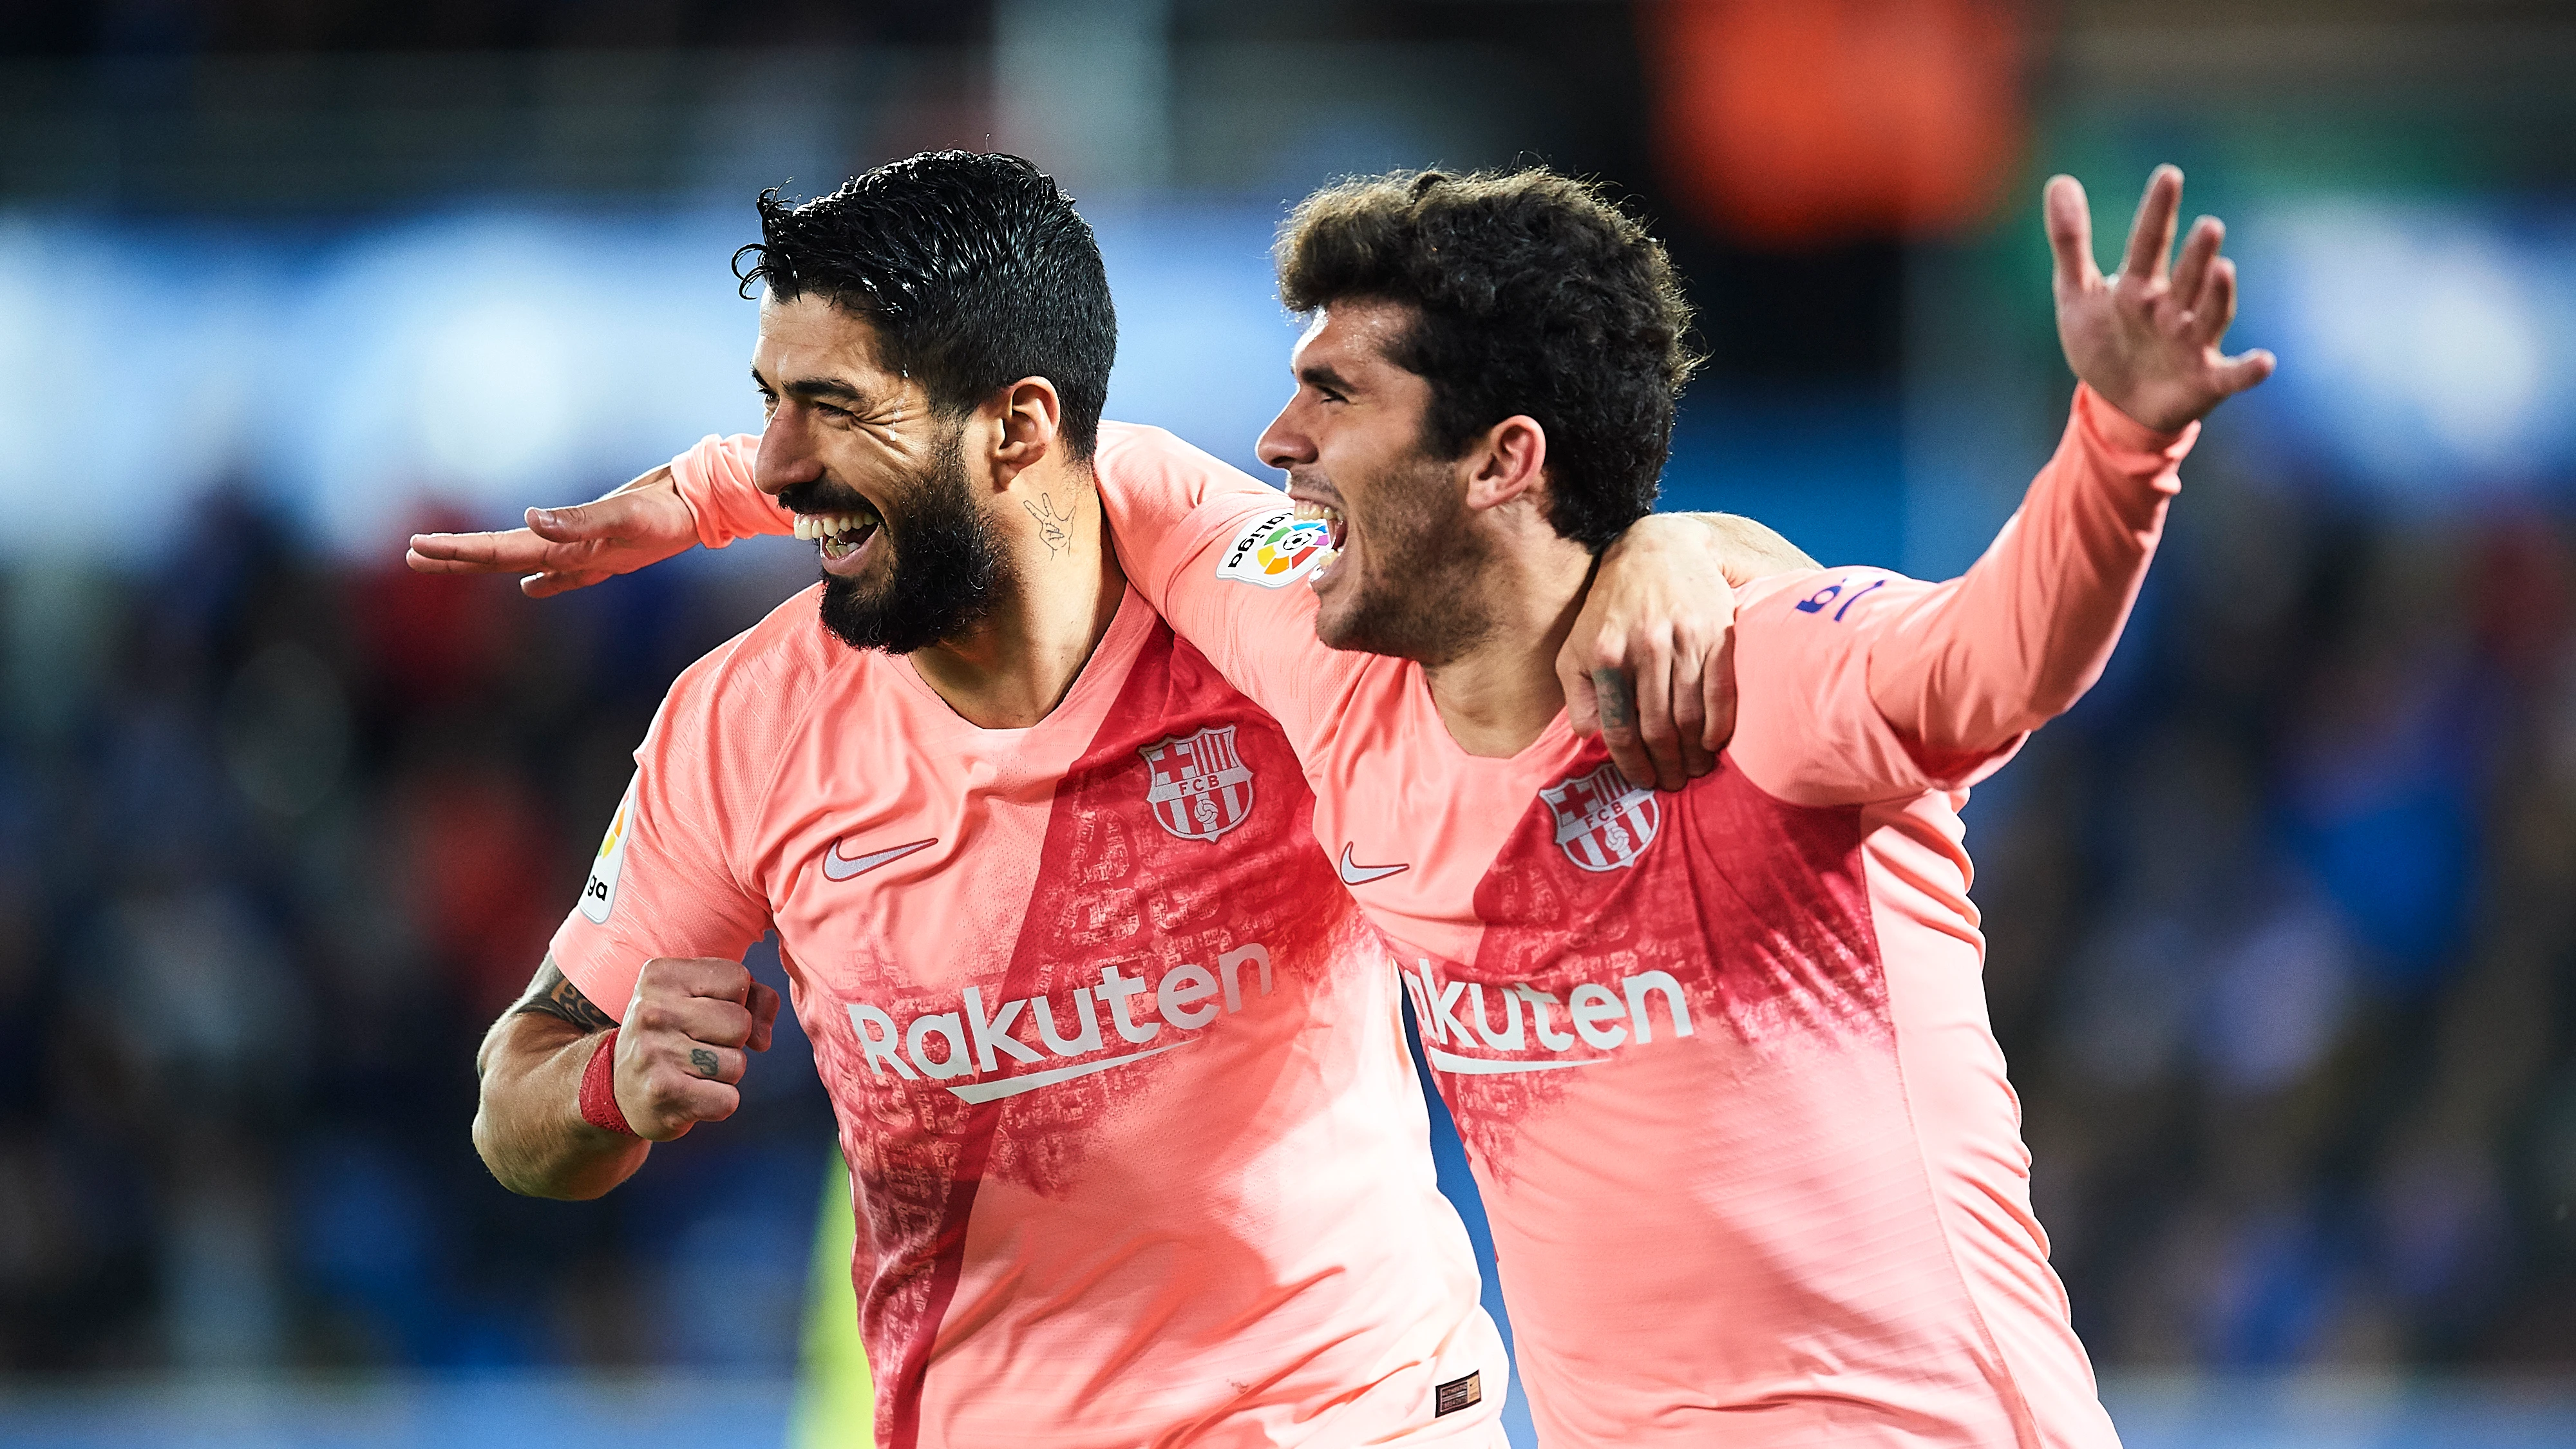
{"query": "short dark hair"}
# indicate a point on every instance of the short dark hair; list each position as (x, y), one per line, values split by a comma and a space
(974, 268)
(1533, 294)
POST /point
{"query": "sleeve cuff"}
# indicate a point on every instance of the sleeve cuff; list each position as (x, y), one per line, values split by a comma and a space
(2128, 439)
(723, 508)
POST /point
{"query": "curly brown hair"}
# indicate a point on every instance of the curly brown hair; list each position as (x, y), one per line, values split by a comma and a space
(1533, 294)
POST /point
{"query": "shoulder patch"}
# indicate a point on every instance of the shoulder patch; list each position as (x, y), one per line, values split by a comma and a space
(599, 893)
(1274, 549)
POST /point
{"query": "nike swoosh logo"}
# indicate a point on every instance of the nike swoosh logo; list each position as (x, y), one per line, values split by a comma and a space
(1363, 874)
(1013, 1086)
(1489, 1067)
(838, 868)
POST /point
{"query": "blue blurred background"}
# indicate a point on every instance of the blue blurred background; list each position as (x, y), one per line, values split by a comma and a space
(2282, 917)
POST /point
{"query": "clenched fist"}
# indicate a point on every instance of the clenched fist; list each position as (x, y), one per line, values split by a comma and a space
(685, 1041)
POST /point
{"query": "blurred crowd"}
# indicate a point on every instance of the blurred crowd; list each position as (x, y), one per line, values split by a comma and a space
(2283, 924)
(2283, 930)
(278, 838)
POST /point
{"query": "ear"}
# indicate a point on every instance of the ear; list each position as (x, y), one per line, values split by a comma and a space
(1030, 417)
(1508, 462)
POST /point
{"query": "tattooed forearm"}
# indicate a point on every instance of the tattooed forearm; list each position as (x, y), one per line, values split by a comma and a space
(552, 994)
(1617, 711)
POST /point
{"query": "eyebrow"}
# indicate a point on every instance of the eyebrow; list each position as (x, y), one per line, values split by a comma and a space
(1321, 375)
(829, 389)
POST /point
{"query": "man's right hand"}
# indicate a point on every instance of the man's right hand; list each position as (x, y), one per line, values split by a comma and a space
(569, 548)
(685, 1042)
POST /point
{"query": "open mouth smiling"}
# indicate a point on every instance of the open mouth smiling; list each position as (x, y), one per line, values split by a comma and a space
(839, 534)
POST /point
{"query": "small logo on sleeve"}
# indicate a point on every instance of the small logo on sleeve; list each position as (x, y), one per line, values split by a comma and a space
(1274, 550)
(1458, 1394)
(599, 893)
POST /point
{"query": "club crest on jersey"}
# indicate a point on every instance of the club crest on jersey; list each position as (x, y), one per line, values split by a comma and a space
(1201, 788)
(1275, 550)
(1602, 821)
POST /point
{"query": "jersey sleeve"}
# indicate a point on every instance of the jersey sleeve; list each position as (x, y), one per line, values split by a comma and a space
(1858, 684)
(1224, 559)
(664, 881)
(715, 481)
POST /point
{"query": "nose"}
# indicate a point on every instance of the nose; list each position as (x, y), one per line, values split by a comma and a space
(786, 456)
(1285, 443)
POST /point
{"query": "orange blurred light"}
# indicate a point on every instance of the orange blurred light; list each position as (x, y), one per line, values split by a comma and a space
(1792, 122)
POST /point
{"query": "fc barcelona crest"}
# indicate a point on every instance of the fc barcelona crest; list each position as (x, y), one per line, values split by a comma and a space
(1602, 821)
(1201, 788)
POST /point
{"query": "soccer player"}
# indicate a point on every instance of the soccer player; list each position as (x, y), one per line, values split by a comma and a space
(1720, 1056)
(996, 813)
(1137, 1152)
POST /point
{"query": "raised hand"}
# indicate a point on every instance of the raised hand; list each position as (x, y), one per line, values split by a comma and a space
(684, 1045)
(569, 548)
(2147, 338)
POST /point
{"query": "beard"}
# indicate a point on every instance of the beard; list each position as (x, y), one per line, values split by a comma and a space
(944, 569)
(1421, 595)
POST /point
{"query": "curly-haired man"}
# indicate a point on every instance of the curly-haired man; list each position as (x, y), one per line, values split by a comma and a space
(1720, 1054)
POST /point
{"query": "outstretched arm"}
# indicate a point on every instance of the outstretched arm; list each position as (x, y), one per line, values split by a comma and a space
(1974, 664)
(705, 496)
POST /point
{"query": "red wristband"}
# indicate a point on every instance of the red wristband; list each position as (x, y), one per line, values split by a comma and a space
(599, 1088)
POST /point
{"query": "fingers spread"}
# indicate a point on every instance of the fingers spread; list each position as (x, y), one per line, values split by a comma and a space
(2241, 372)
(2151, 235)
(2198, 248)
(2070, 234)
(2215, 309)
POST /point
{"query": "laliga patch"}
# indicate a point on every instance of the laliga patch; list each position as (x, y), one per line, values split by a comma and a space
(1274, 550)
(599, 893)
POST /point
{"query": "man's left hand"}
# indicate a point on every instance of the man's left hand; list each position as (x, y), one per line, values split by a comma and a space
(1650, 664)
(2147, 339)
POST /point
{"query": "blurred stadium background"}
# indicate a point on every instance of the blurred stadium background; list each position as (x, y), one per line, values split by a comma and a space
(2283, 917)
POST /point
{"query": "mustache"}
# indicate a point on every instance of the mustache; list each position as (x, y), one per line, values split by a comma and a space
(822, 495)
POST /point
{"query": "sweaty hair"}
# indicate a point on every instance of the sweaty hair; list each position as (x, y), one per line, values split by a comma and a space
(1533, 295)
(973, 268)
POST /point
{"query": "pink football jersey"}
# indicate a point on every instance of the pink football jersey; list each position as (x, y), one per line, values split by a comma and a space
(1137, 1153)
(1720, 1056)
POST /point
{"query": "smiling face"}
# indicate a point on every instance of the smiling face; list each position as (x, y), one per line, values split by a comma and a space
(1408, 559)
(876, 476)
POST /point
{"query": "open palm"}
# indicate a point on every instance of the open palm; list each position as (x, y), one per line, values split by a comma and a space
(2147, 338)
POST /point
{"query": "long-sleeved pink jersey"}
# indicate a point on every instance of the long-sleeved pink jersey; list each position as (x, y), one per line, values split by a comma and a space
(1720, 1056)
